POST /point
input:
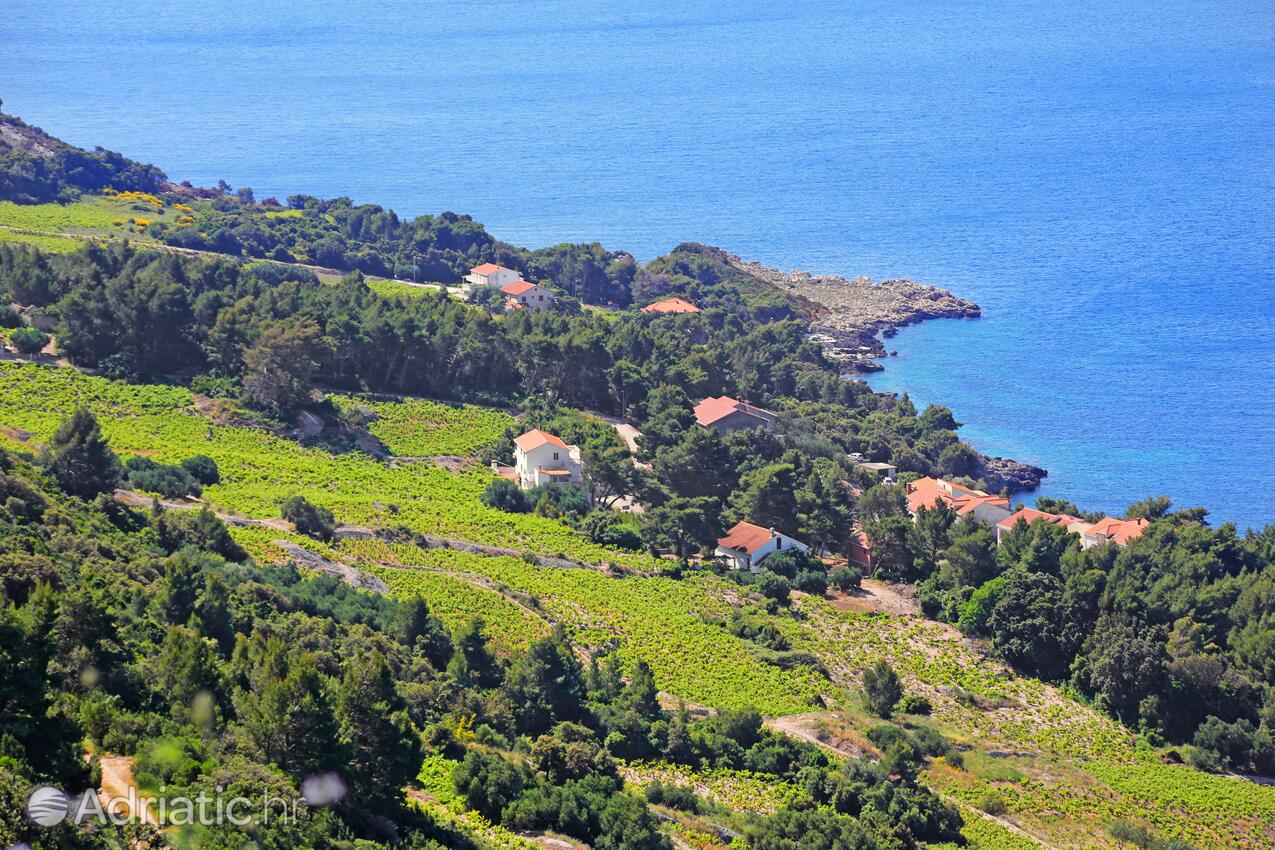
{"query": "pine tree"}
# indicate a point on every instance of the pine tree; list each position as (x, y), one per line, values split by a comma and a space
(472, 663)
(882, 689)
(79, 458)
(546, 685)
(383, 752)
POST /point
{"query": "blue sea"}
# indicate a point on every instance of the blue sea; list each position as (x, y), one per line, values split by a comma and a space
(1100, 177)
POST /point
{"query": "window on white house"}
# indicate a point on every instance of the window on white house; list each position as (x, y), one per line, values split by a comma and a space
(555, 455)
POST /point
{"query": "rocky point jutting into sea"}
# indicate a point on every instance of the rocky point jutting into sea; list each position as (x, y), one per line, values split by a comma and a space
(857, 314)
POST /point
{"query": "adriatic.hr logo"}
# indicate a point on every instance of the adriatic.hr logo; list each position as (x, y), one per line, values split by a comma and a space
(48, 806)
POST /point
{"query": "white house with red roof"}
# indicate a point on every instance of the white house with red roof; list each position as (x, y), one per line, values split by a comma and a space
(928, 492)
(1074, 524)
(1112, 530)
(490, 274)
(746, 545)
(543, 458)
(728, 415)
(525, 295)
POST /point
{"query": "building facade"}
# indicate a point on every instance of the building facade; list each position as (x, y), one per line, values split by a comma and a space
(543, 458)
(746, 546)
(490, 274)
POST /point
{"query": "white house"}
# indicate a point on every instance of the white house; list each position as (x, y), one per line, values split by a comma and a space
(541, 458)
(880, 471)
(490, 274)
(746, 545)
(523, 294)
(928, 492)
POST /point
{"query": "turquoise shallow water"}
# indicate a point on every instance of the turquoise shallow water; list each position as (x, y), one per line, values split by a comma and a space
(1101, 181)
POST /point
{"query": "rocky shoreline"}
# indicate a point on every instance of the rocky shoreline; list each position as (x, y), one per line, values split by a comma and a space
(1002, 474)
(856, 315)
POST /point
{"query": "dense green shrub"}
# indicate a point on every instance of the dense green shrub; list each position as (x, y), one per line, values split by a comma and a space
(882, 689)
(29, 340)
(309, 519)
(505, 495)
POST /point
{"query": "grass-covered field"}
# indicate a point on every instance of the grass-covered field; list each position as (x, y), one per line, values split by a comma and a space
(49, 244)
(118, 215)
(394, 288)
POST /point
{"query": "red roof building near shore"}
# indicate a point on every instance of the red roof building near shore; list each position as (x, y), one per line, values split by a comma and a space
(671, 305)
(524, 293)
(859, 550)
(928, 492)
(1074, 524)
(1112, 530)
(746, 545)
(1030, 515)
(486, 268)
(727, 414)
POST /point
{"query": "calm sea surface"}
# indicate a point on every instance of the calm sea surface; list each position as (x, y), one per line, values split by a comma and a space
(1099, 177)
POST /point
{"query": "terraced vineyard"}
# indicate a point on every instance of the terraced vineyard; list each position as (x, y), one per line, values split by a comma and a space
(983, 700)
(1065, 771)
(260, 469)
(1067, 804)
(510, 626)
(735, 789)
(1077, 771)
(657, 620)
(439, 800)
(420, 428)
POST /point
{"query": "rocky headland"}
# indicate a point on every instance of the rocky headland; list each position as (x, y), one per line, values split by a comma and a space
(856, 313)
(854, 317)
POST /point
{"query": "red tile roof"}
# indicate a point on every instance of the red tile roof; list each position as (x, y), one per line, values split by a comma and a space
(745, 537)
(1119, 531)
(1030, 515)
(927, 492)
(487, 268)
(711, 410)
(671, 305)
(536, 438)
(518, 287)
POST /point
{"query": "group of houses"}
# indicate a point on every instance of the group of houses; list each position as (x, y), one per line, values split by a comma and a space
(542, 458)
(524, 295)
(519, 294)
(994, 511)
